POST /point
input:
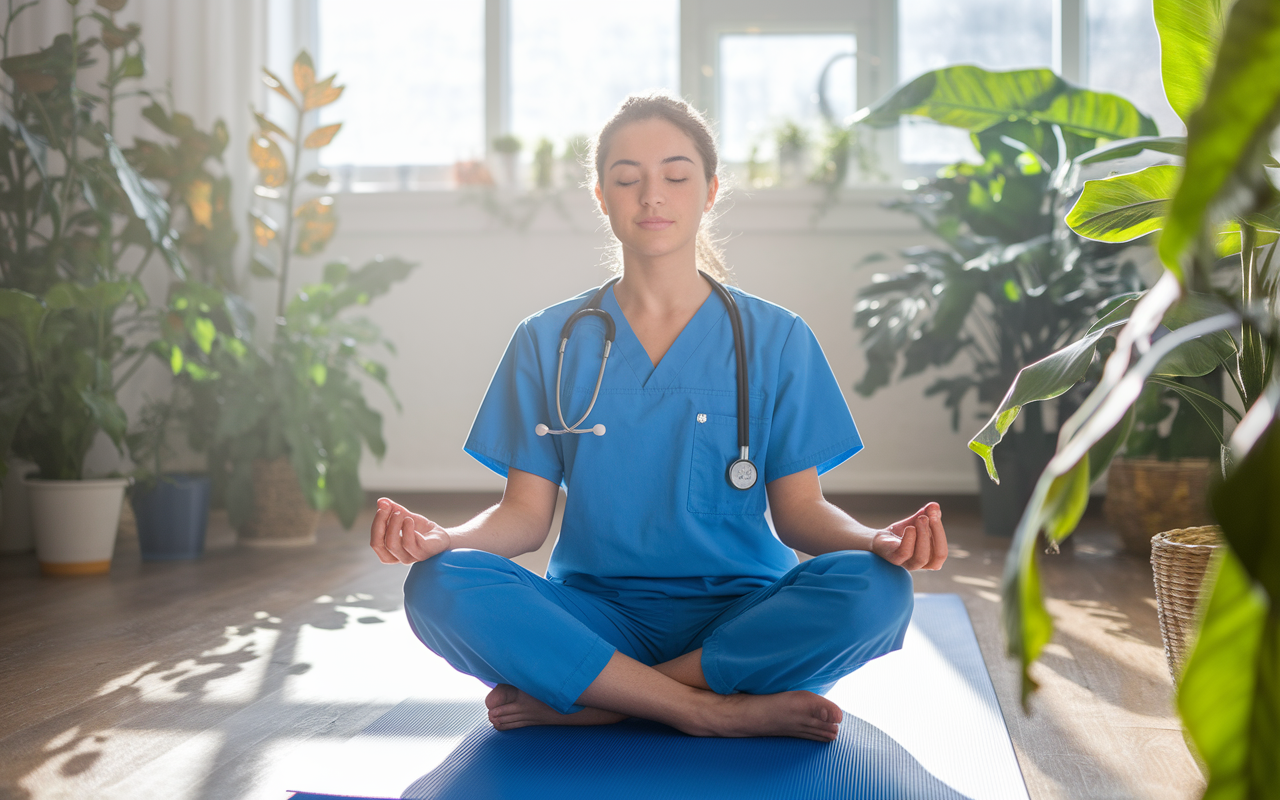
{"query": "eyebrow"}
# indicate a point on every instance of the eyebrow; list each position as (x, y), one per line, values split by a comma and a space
(629, 162)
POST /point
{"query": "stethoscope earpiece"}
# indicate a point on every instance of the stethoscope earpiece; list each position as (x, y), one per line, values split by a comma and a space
(741, 473)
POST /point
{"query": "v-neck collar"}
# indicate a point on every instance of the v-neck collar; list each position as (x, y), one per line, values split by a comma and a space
(672, 362)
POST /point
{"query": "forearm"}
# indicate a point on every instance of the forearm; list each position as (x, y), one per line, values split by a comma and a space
(502, 530)
(818, 527)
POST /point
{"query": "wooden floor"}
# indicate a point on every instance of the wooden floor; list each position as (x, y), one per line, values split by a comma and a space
(198, 679)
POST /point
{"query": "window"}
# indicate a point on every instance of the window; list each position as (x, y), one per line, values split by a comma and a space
(572, 62)
(434, 83)
(1124, 57)
(418, 74)
(768, 80)
(994, 34)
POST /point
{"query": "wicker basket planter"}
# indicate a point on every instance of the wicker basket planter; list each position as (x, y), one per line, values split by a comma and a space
(1146, 496)
(1179, 559)
(281, 515)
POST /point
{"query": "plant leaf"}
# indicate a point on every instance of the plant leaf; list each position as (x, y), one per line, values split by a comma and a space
(268, 126)
(304, 72)
(322, 94)
(1127, 148)
(264, 227)
(321, 136)
(1190, 31)
(975, 99)
(148, 205)
(1124, 207)
(1229, 691)
(276, 85)
(267, 156)
(1227, 136)
(318, 225)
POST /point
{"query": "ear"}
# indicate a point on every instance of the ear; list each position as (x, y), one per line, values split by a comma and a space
(712, 189)
(600, 198)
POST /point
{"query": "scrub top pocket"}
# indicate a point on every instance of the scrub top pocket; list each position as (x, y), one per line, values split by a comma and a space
(715, 446)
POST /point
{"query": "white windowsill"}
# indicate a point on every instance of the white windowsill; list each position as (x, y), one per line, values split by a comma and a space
(798, 210)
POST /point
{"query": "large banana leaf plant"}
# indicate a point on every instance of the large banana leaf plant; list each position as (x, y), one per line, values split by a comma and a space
(1005, 285)
(300, 394)
(1221, 65)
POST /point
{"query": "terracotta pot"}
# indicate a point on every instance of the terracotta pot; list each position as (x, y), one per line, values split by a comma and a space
(1146, 496)
(281, 515)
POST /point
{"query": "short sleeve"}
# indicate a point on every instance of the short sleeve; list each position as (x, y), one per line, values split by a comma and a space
(811, 425)
(502, 435)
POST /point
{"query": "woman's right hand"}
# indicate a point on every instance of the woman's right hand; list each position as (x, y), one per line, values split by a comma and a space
(399, 536)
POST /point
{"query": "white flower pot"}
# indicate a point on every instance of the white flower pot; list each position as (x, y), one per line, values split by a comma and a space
(75, 523)
(15, 522)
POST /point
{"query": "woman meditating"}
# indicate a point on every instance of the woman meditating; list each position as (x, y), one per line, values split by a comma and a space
(688, 423)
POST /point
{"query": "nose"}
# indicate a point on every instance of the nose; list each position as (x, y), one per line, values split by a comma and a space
(652, 194)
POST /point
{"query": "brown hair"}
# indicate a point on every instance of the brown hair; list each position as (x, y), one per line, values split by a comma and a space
(659, 105)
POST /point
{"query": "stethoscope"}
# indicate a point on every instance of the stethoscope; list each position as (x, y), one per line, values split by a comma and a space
(741, 473)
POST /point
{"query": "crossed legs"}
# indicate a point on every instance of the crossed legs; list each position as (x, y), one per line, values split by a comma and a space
(491, 618)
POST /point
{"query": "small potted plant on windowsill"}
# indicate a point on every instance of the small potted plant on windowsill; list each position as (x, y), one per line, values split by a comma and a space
(793, 148)
(506, 149)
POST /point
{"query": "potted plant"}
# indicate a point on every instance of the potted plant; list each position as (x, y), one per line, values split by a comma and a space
(66, 304)
(1223, 78)
(793, 143)
(171, 508)
(1003, 286)
(506, 149)
(1161, 479)
(294, 420)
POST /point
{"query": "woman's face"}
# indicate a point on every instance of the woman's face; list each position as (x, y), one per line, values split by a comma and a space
(653, 188)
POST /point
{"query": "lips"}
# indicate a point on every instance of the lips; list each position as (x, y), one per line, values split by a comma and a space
(655, 223)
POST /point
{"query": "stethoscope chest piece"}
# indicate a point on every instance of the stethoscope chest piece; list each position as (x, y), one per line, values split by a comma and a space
(741, 474)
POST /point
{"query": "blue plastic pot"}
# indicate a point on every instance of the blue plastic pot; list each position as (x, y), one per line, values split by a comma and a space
(172, 515)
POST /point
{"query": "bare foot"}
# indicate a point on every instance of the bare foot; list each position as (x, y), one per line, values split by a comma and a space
(803, 715)
(510, 708)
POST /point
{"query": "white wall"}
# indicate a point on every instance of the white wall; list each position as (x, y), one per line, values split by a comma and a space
(478, 278)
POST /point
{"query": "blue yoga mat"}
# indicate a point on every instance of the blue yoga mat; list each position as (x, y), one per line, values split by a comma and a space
(920, 723)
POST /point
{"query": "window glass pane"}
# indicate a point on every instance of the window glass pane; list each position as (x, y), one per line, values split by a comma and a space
(769, 79)
(1124, 57)
(415, 78)
(573, 61)
(994, 34)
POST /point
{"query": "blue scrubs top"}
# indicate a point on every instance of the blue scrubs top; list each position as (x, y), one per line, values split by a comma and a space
(649, 499)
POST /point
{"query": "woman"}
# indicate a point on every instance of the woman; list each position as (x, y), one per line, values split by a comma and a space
(668, 596)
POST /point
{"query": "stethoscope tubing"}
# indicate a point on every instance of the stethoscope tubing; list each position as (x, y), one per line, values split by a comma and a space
(737, 477)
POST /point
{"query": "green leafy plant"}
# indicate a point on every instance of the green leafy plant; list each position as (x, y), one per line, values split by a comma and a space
(1222, 75)
(507, 143)
(300, 395)
(67, 303)
(1002, 287)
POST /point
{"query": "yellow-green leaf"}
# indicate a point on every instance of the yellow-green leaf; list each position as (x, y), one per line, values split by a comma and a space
(321, 136)
(318, 225)
(204, 332)
(319, 374)
(322, 94)
(175, 359)
(199, 197)
(267, 156)
(304, 72)
(276, 85)
(1124, 207)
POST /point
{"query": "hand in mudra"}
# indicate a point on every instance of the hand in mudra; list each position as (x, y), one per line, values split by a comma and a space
(400, 536)
(917, 542)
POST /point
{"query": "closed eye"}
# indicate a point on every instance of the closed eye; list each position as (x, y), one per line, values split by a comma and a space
(628, 183)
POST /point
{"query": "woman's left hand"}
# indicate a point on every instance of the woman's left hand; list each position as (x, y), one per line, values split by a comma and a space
(917, 542)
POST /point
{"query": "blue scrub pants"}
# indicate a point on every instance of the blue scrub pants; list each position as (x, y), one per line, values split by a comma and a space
(493, 619)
